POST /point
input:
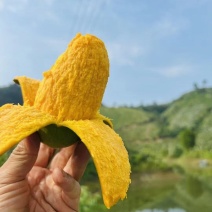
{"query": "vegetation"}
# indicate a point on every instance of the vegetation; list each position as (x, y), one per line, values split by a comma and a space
(158, 138)
(3, 158)
(187, 139)
(152, 133)
(90, 201)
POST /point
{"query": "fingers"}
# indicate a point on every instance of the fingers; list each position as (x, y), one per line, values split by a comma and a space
(68, 184)
(70, 188)
(21, 159)
(62, 157)
(72, 160)
(44, 156)
(76, 165)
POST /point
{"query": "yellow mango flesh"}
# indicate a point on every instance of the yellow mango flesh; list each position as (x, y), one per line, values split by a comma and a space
(73, 88)
(64, 106)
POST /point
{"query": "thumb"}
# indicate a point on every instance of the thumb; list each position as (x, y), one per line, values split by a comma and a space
(21, 159)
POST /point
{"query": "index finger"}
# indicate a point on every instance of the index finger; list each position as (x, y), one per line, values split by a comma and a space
(61, 158)
(77, 164)
(44, 155)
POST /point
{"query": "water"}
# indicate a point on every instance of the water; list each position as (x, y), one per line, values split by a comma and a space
(160, 210)
(167, 192)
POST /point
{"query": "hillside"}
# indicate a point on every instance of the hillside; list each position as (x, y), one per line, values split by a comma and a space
(156, 123)
(134, 126)
(189, 110)
(151, 132)
(194, 111)
(151, 123)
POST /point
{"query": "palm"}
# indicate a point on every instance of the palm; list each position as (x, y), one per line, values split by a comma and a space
(49, 191)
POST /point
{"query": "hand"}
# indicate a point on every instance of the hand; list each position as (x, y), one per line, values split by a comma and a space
(33, 180)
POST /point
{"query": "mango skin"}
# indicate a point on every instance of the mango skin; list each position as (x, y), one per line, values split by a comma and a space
(57, 136)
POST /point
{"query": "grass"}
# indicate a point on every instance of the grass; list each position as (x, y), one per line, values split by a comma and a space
(123, 116)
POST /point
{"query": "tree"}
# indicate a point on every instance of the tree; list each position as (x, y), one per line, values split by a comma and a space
(204, 83)
(187, 139)
(196, 87)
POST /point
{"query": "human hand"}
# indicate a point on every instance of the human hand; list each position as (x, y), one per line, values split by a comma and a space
(31, 180)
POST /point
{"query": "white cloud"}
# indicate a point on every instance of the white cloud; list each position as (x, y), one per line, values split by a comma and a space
(190, 4)
(49, 2)
(168, 26)
(87, 14)
(165, 30)
(174, 71)
(12, 5)
(124, 53)
(1, 5)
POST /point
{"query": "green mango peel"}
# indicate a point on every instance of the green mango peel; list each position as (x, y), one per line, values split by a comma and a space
(57, 136)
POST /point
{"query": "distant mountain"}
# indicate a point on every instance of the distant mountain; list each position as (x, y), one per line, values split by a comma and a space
(189, 110)
(194, 111)
(10, 94)
(158, 123)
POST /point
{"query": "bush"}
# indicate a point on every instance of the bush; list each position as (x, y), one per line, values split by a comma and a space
(175, 152)
(165, 132)
(89, 201)
(3, 158)
(90, 172)
(187, 139)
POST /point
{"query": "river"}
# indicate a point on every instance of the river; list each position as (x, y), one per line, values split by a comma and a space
(166, 192)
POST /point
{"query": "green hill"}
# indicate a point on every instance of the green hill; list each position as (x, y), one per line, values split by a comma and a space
(193, 111)
(189, 110)
(154, 122)
(134, 126)
(154, 129)
(151, 132)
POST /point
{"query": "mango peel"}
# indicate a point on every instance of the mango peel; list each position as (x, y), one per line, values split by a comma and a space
(64, 108)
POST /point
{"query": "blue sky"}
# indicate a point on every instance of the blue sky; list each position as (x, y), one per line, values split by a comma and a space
(157, 48)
